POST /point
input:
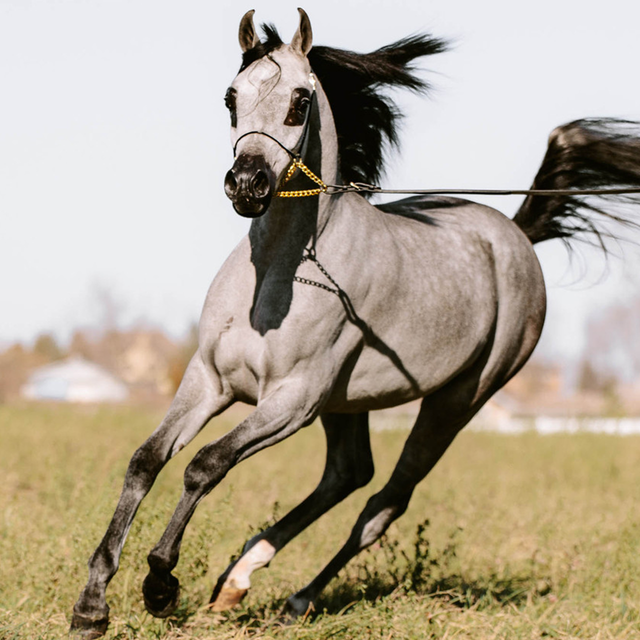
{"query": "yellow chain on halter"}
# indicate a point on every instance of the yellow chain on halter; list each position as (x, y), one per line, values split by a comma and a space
(298, 164)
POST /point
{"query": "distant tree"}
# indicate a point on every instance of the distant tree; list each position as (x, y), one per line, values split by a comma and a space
(46, 347)
(180, 361)
(538, 377)
(588, 378)
(15, 364)
(80, 345)
(613, 341)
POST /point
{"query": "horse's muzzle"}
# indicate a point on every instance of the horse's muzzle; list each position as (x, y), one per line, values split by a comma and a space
(249, 185)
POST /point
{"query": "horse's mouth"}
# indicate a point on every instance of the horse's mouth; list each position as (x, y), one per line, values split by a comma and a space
(250, 207)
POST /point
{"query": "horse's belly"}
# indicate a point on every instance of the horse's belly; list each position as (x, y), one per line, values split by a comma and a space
(387, 374)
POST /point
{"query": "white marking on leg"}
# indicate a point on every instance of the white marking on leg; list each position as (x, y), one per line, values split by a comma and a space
(257, 557)
(375, 527)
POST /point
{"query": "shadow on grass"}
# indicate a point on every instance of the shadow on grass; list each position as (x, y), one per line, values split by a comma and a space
(390, 571)
(425, 572)
(453, 589)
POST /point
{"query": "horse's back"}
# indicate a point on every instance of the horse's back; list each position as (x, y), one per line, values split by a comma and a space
(461, 232)
(459, 282)
(484, 247)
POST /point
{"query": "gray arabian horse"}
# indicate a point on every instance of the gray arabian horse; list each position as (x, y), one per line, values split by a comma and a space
(332, 307)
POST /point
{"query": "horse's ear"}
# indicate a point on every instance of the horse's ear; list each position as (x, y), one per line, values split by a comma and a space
(303, 37)
(247, 34)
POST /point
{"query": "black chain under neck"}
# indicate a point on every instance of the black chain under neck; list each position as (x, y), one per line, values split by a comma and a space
(310, 255)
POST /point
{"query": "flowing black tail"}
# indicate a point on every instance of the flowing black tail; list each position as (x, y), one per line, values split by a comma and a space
(585, 154)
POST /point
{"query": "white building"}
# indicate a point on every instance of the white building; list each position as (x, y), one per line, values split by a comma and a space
(74, 380)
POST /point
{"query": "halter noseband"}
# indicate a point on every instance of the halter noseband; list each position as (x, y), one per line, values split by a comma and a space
(295, 154)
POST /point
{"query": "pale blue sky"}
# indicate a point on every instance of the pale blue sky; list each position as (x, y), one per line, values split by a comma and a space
(114, 139)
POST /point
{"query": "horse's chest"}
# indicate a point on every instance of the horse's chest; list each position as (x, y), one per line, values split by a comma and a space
(236, 355)
(251, 356)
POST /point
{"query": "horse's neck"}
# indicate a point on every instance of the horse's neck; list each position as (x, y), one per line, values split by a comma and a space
(292, 224)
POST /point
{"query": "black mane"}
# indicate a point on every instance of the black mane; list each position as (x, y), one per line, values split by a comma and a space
(366, 119)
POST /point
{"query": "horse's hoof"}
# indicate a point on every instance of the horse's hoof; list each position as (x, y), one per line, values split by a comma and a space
(161, 596)
(86, 628)
(227, 598)
(296, 607)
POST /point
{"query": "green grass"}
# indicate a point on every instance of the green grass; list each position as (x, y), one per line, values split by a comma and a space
(509, 537)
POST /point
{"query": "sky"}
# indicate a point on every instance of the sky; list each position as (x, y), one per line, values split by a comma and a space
(114, 140)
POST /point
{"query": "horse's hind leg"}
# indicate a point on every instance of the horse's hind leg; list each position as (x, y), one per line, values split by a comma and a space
(424, 447)
(195, 403)
(349, 466)
(441, 417)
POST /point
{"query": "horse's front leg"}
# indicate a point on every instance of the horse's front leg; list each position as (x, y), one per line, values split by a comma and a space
(278, 416)
(197, 400)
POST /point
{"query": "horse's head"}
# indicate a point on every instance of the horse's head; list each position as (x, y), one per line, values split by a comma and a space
(270, 103)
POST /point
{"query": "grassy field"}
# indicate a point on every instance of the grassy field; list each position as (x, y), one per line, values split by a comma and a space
(510, 536)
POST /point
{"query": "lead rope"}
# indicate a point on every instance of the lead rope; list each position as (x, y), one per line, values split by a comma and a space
(363, 187)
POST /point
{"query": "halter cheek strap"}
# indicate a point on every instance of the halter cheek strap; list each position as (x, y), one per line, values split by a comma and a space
(295, 155)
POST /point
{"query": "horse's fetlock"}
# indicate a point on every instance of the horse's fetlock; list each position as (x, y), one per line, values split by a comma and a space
(299, 604)
(103, 564)
(91, 605)
(160, 565)
(251, 542)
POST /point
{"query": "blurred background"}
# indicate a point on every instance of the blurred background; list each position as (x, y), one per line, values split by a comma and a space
(114, 141)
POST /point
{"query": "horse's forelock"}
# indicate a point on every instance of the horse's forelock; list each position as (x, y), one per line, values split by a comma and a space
(271, 42)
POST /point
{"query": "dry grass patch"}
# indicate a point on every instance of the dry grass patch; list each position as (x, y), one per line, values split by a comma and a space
(509, 537)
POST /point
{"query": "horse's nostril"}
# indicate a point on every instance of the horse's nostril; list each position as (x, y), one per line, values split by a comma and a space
(260, 184)
(230, 184)
(249, 185)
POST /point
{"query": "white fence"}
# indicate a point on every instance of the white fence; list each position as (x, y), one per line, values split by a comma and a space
(544, 425)
(547, 425)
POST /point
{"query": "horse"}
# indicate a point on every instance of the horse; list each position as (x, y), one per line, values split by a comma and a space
(332, 307)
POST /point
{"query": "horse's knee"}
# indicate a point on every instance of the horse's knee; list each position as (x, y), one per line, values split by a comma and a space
(103, 563)
(206, 469)
(144, 466)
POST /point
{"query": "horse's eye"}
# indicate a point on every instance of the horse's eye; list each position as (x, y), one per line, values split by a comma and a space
(230, 100)
(230, 103)
(300, 101)
(303, 105)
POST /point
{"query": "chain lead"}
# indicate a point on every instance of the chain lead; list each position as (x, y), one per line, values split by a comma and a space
(298, 164)
(311, 256)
